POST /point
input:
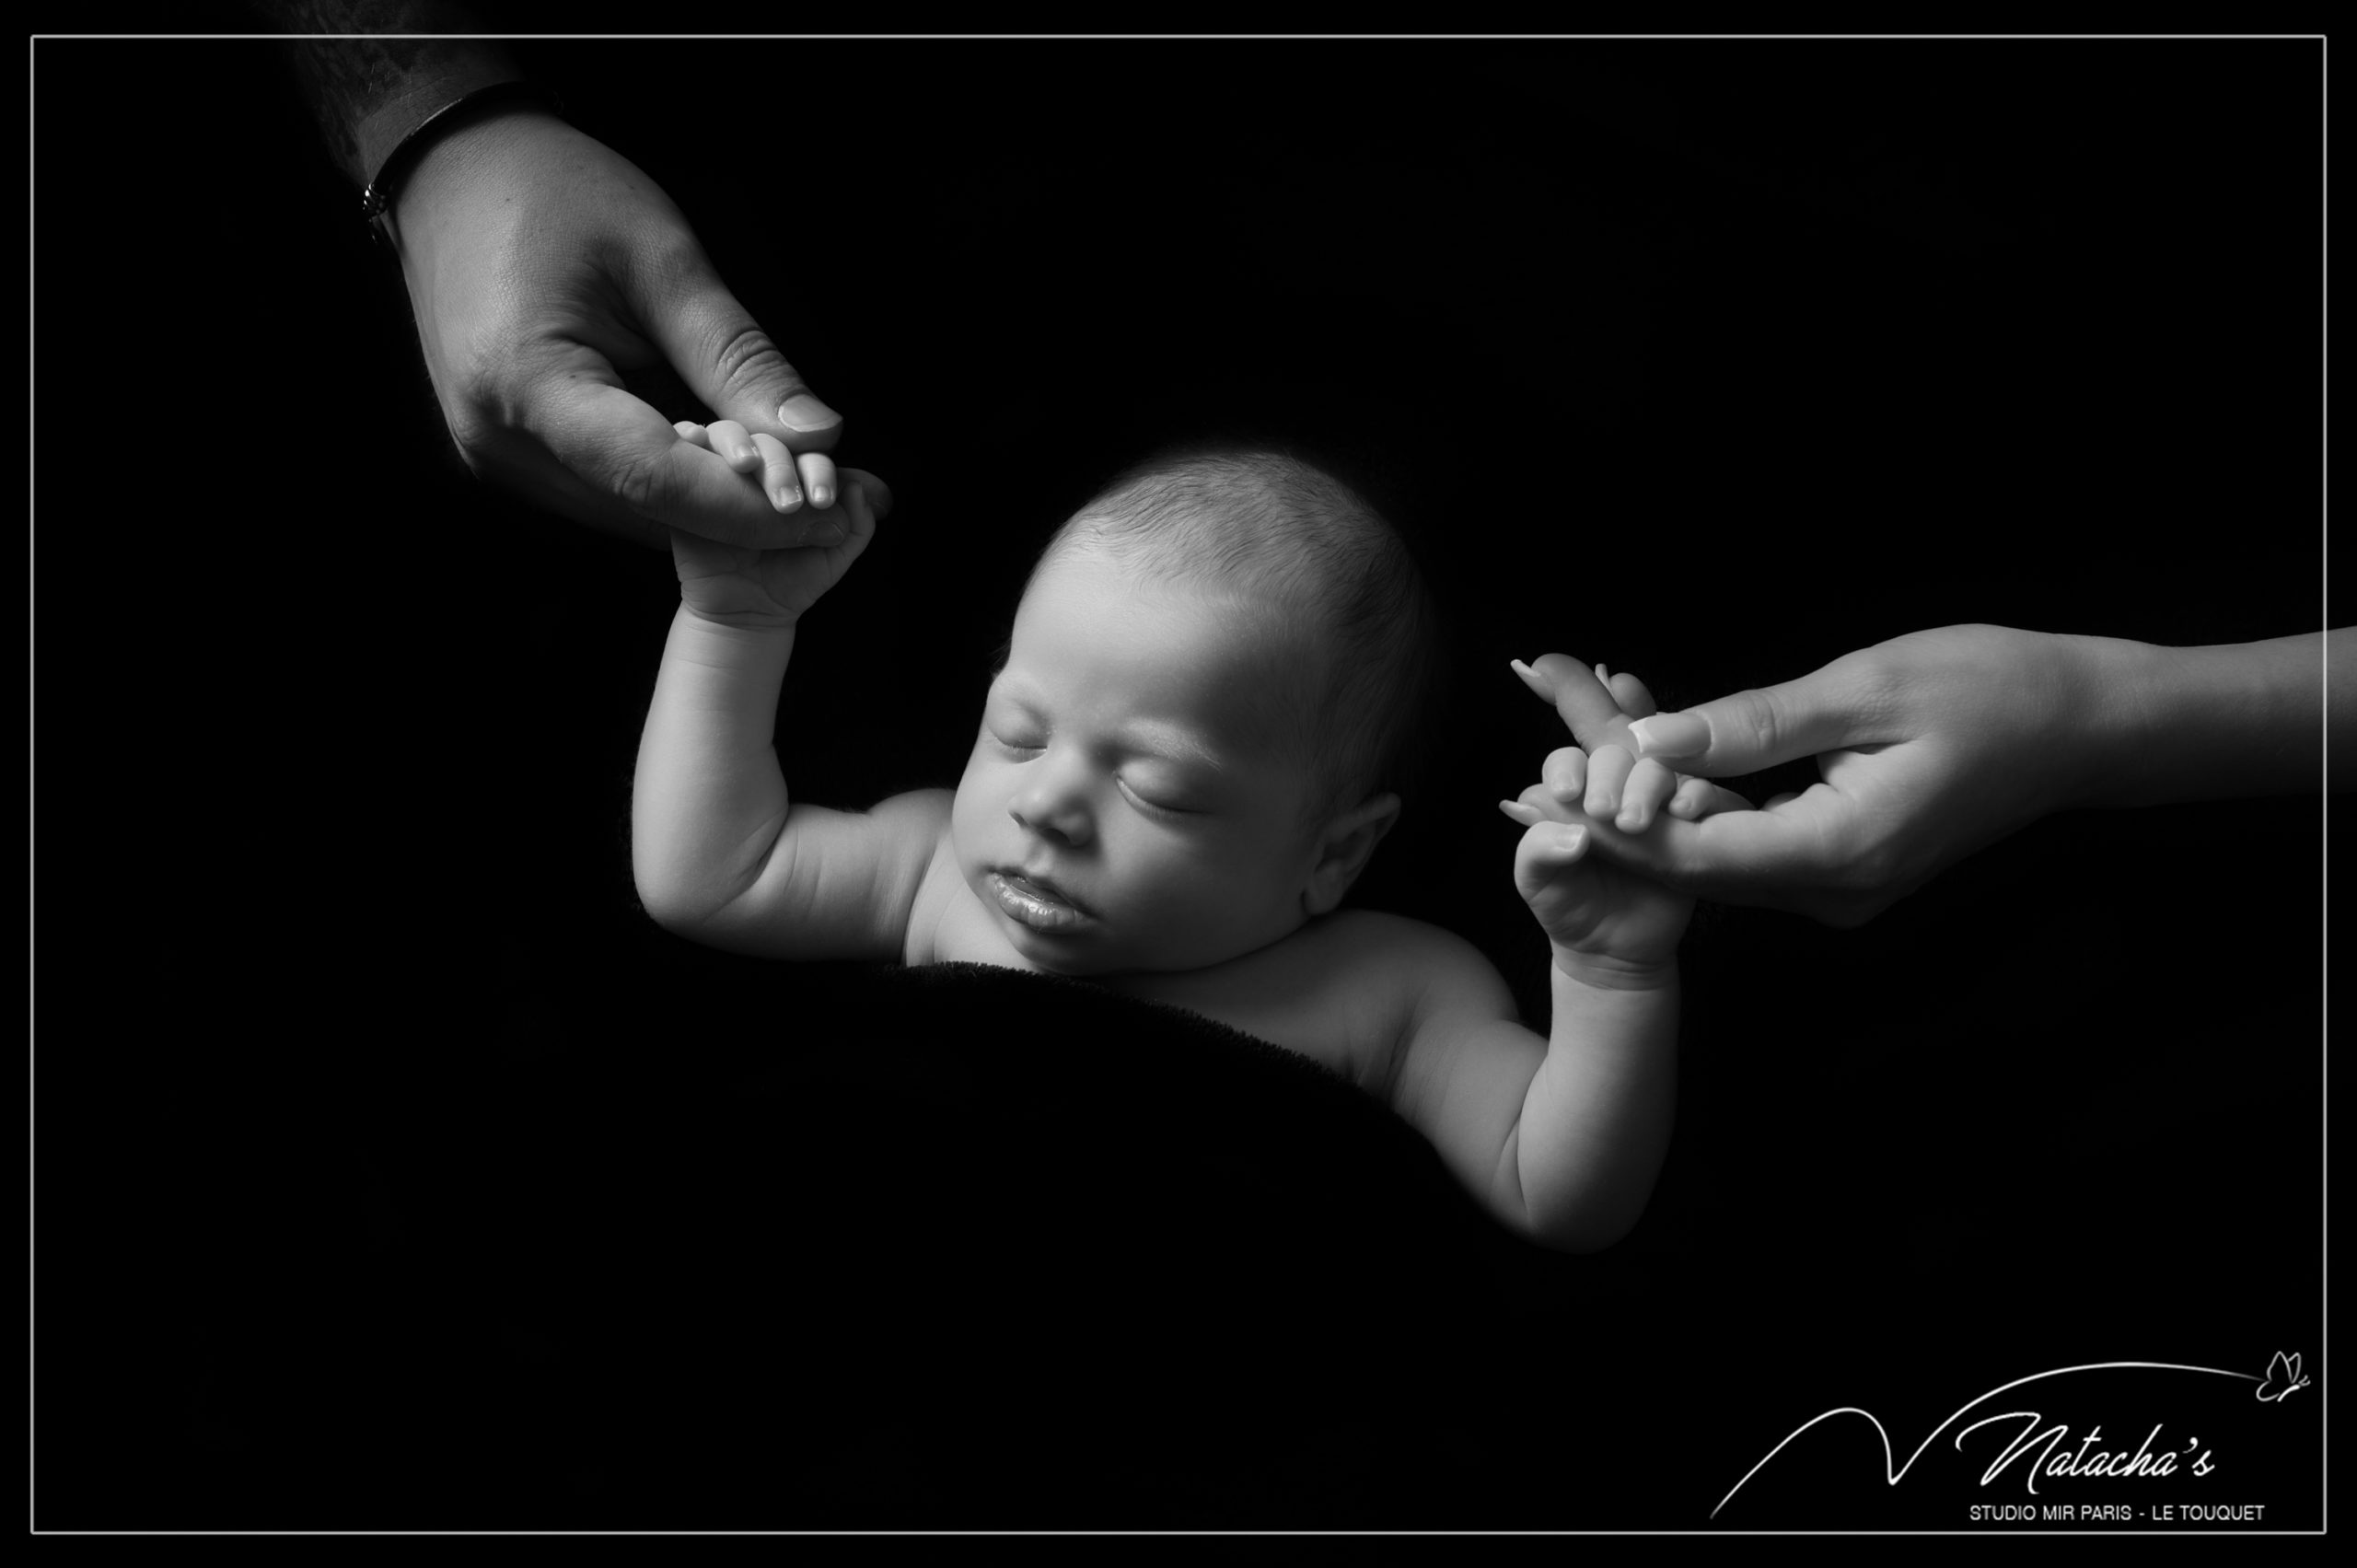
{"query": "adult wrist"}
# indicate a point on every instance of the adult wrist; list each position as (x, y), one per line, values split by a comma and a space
(2204, 723)
(399, 141)
(2107, 738)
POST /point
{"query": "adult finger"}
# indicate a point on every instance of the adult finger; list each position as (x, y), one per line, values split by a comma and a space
(1750, 730)
(1630, 694)
(1549, 806)
(1784, 858)
(874, 492)
(1582, 700)
(725, 357)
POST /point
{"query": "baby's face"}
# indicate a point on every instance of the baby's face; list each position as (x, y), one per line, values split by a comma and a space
(1133, 801)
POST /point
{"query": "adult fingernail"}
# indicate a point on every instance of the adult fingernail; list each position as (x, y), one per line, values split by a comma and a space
(802, 412)
(1671, 734)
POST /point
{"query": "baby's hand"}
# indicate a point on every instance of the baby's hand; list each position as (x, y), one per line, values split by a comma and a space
(1609, 926)
(737, 586)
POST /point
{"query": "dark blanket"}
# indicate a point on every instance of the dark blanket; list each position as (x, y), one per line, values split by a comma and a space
(860, 1247)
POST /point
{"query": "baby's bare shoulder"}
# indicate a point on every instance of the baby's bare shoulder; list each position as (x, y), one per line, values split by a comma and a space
(1391, 975)
(1400, 954)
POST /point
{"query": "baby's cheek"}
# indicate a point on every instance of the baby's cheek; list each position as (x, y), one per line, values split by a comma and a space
(970, 810)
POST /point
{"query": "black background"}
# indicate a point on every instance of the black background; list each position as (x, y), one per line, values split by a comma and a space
(1712, 360)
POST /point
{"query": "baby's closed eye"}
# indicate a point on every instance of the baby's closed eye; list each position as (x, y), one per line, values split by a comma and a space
(1160, 799)
(1014, 733)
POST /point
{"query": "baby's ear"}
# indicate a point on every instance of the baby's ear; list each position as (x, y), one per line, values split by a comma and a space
(1343, 850)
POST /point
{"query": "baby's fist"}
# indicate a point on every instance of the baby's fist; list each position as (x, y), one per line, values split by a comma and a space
(1598, 916)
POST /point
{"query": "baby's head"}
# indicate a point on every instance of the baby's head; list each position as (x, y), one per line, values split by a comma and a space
(1216, 675)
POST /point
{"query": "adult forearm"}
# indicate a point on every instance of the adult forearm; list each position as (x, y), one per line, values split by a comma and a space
(2213, 723)
(710, 797)
(371, 76)
(1596, 1119)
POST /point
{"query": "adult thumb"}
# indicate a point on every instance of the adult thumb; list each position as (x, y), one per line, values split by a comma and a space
(727, 360)
(1746, 731)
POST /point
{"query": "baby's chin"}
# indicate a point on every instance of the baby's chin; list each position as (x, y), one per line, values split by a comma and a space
(1073, 960)
(1103, 946)
(1106, 961)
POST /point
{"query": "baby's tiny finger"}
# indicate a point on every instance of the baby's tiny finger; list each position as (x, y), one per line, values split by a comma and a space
(1691, 797)
(818, 472)
(780, 480)
(1714, 798)
(735, 446)
(1650, 785)
(694, 434)
(1565, 773)
(1608, 770)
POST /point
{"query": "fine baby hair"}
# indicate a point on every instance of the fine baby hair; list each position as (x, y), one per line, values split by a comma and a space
(1321, 562)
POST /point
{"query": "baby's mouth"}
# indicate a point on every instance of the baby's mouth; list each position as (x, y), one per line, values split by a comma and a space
(1038, 903)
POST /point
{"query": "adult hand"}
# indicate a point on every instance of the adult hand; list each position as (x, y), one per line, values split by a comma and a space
(546, 270)
(1931, 745)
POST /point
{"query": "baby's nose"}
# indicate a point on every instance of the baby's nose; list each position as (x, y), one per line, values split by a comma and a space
(1052, 808)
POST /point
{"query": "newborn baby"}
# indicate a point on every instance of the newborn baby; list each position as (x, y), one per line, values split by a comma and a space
(1189, 753)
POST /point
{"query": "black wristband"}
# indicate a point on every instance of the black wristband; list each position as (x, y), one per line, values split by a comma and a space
(376, 199)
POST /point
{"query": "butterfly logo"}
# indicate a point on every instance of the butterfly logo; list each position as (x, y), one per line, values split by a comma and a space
(2283, 1376)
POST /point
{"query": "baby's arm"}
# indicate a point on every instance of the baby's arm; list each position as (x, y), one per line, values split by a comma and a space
(1562, 1136)
(720, 852)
